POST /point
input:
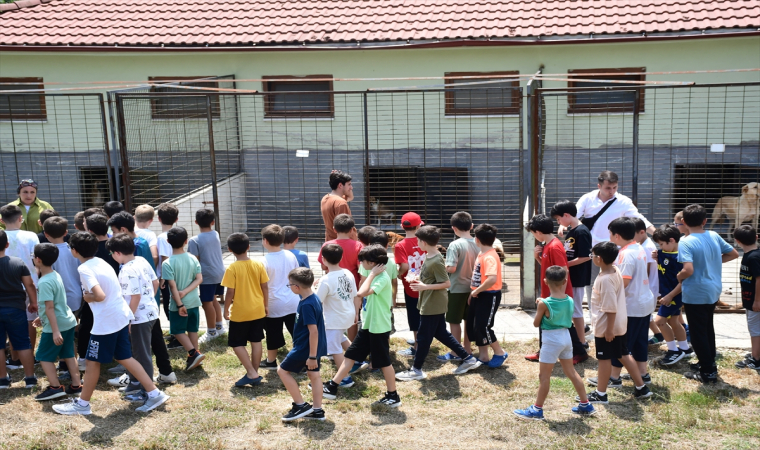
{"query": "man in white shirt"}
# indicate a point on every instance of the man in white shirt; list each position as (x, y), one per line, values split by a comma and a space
(593, 202)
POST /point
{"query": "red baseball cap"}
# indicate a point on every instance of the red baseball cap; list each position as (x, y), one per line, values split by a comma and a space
(411, 219)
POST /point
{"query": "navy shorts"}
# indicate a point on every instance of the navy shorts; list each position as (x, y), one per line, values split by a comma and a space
(674, 309)
(13, 323)
(209, 291)
(107, 347)
(637, 339)
(296, 365)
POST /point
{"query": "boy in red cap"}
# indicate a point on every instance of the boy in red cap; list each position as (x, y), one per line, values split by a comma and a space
(410, 257)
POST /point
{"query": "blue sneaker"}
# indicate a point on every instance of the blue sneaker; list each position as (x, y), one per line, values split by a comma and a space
(347, 382)
(584, 410)
(358, 367)
(497, 361)
(448, 357)
(245, 381)
(530, 413)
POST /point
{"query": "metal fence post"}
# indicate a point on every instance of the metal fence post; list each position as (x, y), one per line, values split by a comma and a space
(528, 195)
(635, 162)
(212, 154)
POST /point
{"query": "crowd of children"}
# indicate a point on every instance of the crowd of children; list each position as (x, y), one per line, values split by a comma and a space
(97, 296)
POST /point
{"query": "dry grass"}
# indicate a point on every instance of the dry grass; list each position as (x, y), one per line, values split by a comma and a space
(445, 411)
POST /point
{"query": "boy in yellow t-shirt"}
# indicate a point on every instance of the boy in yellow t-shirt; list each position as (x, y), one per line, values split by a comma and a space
(246, 283)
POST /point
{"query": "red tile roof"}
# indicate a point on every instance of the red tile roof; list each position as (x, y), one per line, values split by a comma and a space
(243, 23)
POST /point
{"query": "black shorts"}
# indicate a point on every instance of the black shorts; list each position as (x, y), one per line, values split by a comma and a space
(636, 339)
(297, 365)
(273, 329)
(610, 350)
(241, 333)
(377, 344)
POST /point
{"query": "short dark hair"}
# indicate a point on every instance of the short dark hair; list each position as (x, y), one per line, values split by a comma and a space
(365, 233)
(3, 240)
(86, 244)
(694, 215)
(56, 226)
(428, 234)
(639, 224)
(555, 275)
(98, 224)
(10, 213)
(121, 243)
(623, 227)
(205, 217)
(379, 238)
(290, 234)
(541, 223)
(92, 211)
(332, 253)
(462, 221)
(238, 243)
(122, 219)
(45, 214)
(374, 253)
(167, 213)
(113, 207)
(338, 177)
(79, 221)
(176, 237)
(665, 233)
(302, 276)
(273, 234)
(608, 176)
(486, 233)
(607, 251)
(343, 223)
(47, 253)
(563, 207)
(745, 234)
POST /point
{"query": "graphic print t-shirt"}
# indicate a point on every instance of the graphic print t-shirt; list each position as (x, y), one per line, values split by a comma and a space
(136, 278)
(578, 245)
(750, 271)
(337, 291)
(407, 251)
(487, 264)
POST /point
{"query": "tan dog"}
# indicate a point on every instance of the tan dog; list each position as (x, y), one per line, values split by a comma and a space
(381, 211)
(739, 209)
(394, 238)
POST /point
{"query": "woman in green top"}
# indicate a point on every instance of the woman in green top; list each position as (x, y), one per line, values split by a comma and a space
(30, 205)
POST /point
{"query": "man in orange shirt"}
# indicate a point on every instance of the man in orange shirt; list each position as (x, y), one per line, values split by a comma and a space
(336, 202)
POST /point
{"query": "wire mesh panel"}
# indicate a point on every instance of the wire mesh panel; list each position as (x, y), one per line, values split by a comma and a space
(60, 141)
(670, 146)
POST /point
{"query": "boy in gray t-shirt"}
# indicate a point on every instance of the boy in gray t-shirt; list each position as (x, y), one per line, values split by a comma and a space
(460, 261)
(207, 247)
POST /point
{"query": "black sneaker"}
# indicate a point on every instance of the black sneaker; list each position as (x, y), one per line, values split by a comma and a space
(5, 383)
(13, 364)
(173, 344)
(642, 393)
(316, 414)
(296, 412)
(695, 366)
(704, 379)
(748, 363)
(71, 390)
(330, 390)
(613, 383)
(626, 376)
(266, 365)
(390, 400)
(688, 353)
(671, 357)
(51, 393)
(194, 361)
(64, 375)
(595, 397)
(587, 329)
(31, 382)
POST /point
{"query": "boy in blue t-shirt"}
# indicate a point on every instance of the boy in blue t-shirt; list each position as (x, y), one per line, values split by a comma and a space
(289, 244)
(309, 346)
(668, 315)
(123, 222)
(702, 252)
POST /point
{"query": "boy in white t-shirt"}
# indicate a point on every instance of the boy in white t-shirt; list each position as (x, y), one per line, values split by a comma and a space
(21, 245)
(283, 302)
(337, 290)
(109, 338)
(138, 285)
(654, 279)
(168, 214)
(143, 218)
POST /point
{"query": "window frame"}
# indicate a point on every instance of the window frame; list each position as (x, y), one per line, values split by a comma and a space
(42, 115)
(270, 113)
(157, 113)
(449, 106)
(573, 108)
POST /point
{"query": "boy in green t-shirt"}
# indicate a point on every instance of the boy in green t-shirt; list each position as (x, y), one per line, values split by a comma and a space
(182, 272)
(58, 324)
(374, 336)
(433, 304)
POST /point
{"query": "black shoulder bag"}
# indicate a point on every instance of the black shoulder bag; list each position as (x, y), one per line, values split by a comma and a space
(590, 221)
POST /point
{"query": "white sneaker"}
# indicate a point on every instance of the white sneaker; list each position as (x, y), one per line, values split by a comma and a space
(153, 403)
(120, 381)
(72, 408)
(207, 337)
(467, 365)
(219, 332)
(168, 379)
(411, 375)
(82, 364)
